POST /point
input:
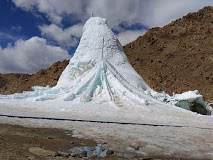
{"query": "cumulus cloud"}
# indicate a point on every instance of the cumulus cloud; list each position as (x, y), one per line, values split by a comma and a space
(65, 37)
(129, 36)
(162, 12)
(54, 9)
(152, 13)
(30, 56)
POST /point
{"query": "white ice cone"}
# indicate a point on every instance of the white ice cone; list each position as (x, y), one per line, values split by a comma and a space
(100, 61)
(98, 42)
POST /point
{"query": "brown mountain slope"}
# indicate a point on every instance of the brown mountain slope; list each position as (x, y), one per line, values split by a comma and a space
(175, 58)
(14, 83)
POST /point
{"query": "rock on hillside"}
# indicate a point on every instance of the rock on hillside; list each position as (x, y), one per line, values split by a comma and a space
(177, 57)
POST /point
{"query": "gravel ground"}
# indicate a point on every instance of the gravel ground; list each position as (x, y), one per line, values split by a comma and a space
(20, 143)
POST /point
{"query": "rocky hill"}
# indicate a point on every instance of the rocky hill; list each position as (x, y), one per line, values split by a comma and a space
(175, 58)
(14, 83)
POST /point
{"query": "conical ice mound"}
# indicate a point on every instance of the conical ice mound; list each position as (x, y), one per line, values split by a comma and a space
(100, 69)
(100, 65)
(99, 44)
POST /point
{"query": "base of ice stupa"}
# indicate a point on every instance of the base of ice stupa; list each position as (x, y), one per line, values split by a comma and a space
(99, 84)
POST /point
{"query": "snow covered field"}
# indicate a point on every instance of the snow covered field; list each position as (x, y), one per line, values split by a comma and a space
(160, 141)
(99, 84)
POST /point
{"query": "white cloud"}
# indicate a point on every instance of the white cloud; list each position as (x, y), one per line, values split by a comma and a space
(66, 38)
(152, 13)
(30, 56)
(4, 36)
(129, 36)
(75, 30)
(54, 9)
(162, 12)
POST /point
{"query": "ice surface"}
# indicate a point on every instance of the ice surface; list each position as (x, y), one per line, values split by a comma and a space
(145, 141)
(100, 67)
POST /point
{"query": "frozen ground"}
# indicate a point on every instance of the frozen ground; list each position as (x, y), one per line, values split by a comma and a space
(148, 141)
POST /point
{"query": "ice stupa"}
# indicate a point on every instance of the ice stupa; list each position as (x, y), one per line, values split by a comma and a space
(100, 68)
(100, 65)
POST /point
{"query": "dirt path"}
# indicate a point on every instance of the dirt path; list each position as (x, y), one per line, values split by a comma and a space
(20, 143)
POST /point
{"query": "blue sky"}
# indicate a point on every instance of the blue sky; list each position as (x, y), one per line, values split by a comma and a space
(36, 33)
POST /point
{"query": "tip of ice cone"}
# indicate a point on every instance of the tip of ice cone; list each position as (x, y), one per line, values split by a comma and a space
(93, 21)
